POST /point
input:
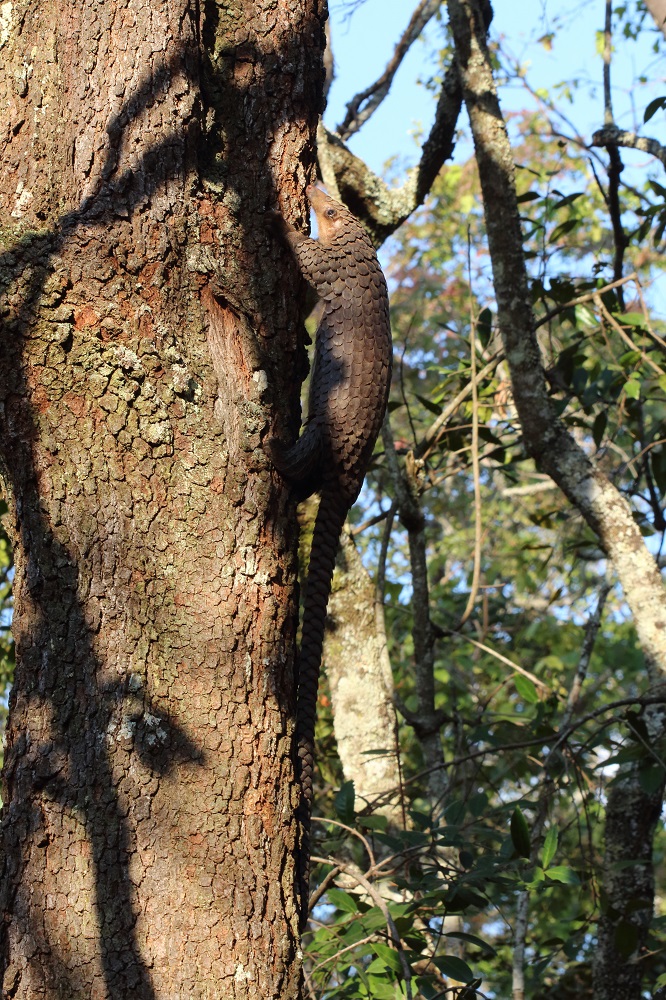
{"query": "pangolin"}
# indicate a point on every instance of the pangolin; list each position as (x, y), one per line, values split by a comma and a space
(348, 395)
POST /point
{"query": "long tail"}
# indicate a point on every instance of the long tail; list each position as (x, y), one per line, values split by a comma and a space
(328, 525)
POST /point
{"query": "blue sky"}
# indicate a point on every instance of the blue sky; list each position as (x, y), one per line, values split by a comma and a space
(363, 43)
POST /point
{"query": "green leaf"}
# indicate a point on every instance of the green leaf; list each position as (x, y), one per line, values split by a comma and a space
(429, 405)
(373, 822)
(632, 388)
(568, 199)
(528, 196)
(473, 940)
(658, 463)
(549, 846)
(526, 689)
(388, 956)
(632, 318)
(560, 873)
(630, 358)
(344, 803)
(428, 991)
(380, 987)
(564, 228)
(599, 427)
(520, 834)
(653, 107)
(342, 900)
(454, 968)
(538, 878)
(485, 326)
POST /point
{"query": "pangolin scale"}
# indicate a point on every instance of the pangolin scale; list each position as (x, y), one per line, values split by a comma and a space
(348, 395)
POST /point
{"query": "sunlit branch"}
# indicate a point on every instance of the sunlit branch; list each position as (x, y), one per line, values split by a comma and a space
(611, 135)
(382, 208)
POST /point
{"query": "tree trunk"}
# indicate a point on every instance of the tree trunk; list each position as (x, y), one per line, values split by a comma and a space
(147, 343)
(632, 814)
(359, 674)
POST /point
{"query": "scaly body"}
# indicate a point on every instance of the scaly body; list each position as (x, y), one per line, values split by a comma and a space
(348, 395)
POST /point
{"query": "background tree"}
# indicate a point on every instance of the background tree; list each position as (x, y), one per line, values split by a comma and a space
(507, 831)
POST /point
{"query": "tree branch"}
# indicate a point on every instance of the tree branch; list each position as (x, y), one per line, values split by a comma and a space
(611, 135)
(366, 102)
(546, 439)
(381, 208)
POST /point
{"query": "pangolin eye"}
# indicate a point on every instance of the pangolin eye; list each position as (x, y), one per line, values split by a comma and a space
(331, 213)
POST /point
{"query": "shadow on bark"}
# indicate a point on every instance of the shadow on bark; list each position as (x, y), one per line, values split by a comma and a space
(57, 670)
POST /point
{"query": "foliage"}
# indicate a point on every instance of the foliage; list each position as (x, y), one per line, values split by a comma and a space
(541, 704)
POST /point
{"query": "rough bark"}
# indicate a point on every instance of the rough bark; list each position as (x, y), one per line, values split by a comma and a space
(361, 685)
(147, 342)
(632, 815)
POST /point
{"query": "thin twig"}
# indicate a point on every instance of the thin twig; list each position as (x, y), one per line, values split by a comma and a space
(358, 529)
(350, 947)
(591, 632)
(608, 316)
(352, 831)
(390, 923)
(587, 297)
(323, 885)
(501, 658)
(436, 429)
(366, 102)
(476, 472)
(380, 628)
(646, 315)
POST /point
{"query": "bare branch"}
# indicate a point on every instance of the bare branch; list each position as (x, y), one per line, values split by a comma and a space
(329, 61)
(476, 472)
(381, 208)
(615, 166)
(611, 135)
(622, 333)
(427, 720)
(365, 103)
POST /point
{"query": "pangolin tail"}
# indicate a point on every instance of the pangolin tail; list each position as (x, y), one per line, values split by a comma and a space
(328, 525)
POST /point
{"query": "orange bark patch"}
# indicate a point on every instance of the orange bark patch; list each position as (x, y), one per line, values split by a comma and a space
(76, 404)
(146, 325)
(85, 317)
(206, 233)
(40, 399)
